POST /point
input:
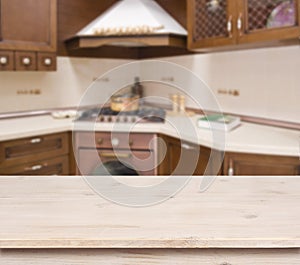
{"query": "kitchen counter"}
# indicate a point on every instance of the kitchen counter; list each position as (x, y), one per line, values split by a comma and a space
(248, 138)
(64, 212)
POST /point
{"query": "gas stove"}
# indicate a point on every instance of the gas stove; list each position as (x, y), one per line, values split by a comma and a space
(105, 114)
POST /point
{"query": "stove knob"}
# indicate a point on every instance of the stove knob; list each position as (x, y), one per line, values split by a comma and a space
(101, 118)
(115, 142)
(109, 119)
(125, 119)
(133, 119)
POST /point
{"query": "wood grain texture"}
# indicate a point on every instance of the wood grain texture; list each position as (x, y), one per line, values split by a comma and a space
(29, 25)
(151, 256)
(63, 212)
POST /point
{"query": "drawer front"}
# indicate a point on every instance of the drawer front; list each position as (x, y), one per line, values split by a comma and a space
(54, 166)
(7, 61)
(136, 141)
(46, 61)
(26, 61)
(32, 149)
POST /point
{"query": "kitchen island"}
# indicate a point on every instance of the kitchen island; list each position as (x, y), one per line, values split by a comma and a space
(61, 220)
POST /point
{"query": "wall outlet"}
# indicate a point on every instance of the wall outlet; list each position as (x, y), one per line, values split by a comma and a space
(103, 79)
(29, 92)
(230, 92)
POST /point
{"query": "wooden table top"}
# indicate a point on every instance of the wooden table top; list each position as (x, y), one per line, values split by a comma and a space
(235, 212)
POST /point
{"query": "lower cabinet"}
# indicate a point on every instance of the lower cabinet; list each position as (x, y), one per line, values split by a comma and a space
(53, 154)
(39, 155)
(254, 164)
(178, 157)
(183, 158)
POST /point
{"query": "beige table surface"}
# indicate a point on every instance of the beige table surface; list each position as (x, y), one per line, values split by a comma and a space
(235, 212)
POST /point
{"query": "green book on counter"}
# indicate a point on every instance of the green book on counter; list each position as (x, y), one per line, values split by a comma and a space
(219, 122)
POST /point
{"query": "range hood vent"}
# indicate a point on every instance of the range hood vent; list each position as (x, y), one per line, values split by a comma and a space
(131, 23)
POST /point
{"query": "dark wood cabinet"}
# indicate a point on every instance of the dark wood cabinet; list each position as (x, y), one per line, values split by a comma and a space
(40, 155)
(178, 157)
(29, 28)
(214, 24)
(254, 164)
(28, 25)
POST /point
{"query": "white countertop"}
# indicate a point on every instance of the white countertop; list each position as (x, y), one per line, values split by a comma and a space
(248, 138)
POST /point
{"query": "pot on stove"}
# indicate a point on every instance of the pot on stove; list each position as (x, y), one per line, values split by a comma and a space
(124, 102)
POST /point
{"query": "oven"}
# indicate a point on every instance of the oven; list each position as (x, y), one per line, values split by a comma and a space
(106, 153)
(114, 153)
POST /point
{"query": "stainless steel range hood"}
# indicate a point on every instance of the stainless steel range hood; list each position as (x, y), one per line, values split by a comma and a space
(131, 23)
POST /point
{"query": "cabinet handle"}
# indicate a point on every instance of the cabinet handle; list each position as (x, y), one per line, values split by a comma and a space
(26, 61)
(230, 169)
(35, 140)
(33, 168)
(114, 155)
(3, 60)
(100, 141)
(299, 148)
(47, 61)
(239, 23)
(187, 147)
(229, 26)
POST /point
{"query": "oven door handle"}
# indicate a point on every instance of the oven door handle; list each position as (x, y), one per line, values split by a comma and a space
(115, 155)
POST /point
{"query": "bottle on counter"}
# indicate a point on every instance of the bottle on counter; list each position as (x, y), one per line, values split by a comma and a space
(137, 88)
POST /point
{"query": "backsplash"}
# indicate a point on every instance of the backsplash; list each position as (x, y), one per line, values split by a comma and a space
(267, 81)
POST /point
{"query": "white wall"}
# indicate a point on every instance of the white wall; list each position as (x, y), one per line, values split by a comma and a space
(268, 81)
(62, 88)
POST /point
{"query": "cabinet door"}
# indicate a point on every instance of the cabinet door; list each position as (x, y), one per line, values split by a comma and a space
(267, 20)
(183, 158)
(28, 25)
(210, 23)
(250, 164)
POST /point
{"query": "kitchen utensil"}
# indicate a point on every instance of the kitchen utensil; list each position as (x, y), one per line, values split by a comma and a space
(124, 102)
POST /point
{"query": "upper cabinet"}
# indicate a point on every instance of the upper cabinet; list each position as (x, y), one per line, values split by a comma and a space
(28, 32)
(220, 23)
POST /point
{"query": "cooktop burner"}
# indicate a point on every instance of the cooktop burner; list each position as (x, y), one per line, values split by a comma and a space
(144, 114)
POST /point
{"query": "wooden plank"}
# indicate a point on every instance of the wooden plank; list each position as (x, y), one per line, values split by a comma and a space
(150, 256)
(235, 212)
